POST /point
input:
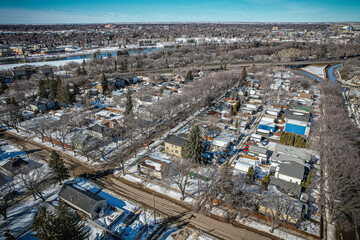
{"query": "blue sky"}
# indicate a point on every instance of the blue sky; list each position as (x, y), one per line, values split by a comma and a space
(95, 11)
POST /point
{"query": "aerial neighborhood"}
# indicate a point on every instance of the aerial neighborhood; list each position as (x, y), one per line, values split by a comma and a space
(179, 131)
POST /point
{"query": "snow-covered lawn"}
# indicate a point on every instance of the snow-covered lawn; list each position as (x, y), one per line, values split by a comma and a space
(316, 70)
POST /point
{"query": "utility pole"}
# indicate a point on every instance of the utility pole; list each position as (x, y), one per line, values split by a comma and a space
(154, 208)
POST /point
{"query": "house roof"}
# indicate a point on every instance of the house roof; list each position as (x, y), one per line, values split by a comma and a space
(175, 140)
(14, 164)
(97, 128)
(154, 164)
(298, 116)
(292, 169)
(293, 151)
(257, 149)
(286, 187)
(81, 198)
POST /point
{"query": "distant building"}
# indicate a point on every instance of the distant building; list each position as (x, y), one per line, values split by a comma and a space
(23, 71)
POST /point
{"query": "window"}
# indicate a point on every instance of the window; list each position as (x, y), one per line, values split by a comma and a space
(176, 151)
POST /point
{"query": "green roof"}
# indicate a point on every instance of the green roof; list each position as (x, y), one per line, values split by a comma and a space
(306, 109)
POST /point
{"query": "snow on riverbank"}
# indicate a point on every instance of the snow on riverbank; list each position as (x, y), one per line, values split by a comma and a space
(316, 70)
(38, 64)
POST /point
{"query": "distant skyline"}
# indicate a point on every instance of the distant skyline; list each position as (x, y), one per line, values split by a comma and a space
(117, 11)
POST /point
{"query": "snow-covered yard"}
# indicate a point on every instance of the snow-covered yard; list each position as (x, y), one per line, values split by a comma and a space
(316, 70)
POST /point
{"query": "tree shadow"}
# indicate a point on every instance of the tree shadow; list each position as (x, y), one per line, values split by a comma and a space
(98, 174)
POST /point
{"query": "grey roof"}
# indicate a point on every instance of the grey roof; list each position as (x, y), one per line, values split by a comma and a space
(259, 150)
(286, 187)
(175, 140)
(298, 116)
(14, 164)
(283, 158)
(293, 151)
(97, 128)
(292, 169)
(83, 199)
(80, 138)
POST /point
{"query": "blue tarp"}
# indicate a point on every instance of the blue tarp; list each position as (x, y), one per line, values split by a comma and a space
(295, 128)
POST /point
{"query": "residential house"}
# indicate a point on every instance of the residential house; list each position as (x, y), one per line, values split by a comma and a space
(79, 141)
(14, 166)
(42, 105)
(23, 71)
(174, 145)
(83, 200)
(267, 125)
(153, 167)
(289, 188)
(45, 70)
(291, 210)
(116, 83)
(293, 152)
(297, 122)
(223, 141)
(257, 151)
(98, 131)
(291, 172)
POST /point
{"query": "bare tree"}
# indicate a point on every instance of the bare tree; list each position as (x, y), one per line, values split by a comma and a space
(178, 173)
(279, 209)
(31, 179)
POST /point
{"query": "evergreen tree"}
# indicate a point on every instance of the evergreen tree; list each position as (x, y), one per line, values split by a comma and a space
(42, 89)
(104, 83)
(67, 97)
(56, 163)
(266, 181)
(75, 89)
(237, 124)
(83, 71)
(115, 66)
(243, 81)
(128, 105)
(78, 71)
(250, 172)
(3, 86)
(194, 146)
(189, 76)
(61, 225)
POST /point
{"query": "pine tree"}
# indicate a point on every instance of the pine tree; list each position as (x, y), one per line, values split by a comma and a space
(243, 81)
(128, 105)
(237, 124)
(78, 71)
(66, 98)
(115, 66)
(83, 71)
(56, 163)
(250, 172)
(3, 86)
(189, 76)
(194, 146)
(63, 224)
(42, 89)
(104, 83)
(266, 181)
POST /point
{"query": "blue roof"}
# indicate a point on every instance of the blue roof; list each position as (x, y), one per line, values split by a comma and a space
(295, 128)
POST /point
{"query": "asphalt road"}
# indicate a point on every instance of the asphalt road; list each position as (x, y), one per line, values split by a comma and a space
(176, 212)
